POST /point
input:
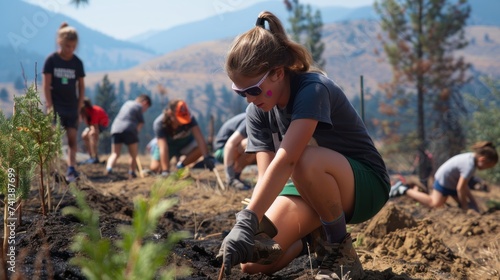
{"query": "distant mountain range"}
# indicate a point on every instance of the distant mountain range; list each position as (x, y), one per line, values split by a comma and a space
(232, 23)
(188, 67)
(349, 53)
(28, 34)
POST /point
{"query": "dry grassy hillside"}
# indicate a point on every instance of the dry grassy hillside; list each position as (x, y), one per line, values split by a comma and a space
(190, 68)
(484, 49)
(7, 107)
(349, 51)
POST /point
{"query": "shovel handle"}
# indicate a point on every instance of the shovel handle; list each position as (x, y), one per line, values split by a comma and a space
(221, 273)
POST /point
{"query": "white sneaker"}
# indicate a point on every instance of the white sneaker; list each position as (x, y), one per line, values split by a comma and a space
(397, 189)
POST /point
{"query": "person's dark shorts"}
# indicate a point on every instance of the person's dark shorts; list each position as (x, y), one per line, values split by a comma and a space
(67, 120)
(101, 128)
(372, 192)
(444, 191)
(127, 138)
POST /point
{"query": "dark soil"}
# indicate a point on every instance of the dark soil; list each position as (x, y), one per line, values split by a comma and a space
(404, 241)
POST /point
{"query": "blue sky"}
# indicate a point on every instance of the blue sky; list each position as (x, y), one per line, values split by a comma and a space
(145, 15)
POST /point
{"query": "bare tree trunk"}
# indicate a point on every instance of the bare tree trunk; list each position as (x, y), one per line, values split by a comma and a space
(422, 145)
(20, 212)
(49, 194)
(210, 138)
(41, 190)
(5, 229)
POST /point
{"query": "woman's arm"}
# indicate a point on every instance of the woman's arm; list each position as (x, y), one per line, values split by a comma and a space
(472, 202)
(81, 92)
(200, 140)
(164, 156)
(263, 161)
(281, 167)
(463, 192)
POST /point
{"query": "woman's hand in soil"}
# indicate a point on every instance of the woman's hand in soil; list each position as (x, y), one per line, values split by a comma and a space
(238, 245)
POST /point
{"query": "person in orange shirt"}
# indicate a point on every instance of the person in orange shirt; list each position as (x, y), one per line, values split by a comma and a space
(178, 135)
(96, 120)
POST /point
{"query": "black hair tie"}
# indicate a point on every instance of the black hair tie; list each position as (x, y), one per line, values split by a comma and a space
(261, 22)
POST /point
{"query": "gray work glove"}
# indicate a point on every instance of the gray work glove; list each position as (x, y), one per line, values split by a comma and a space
(238, 245)
(267, 227)
(266, 250)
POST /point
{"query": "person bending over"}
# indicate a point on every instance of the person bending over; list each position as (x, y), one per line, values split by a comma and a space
(96, 120)
(125, 130)
(452, 178)
(229, 145)
(341, 179)
(178, 134)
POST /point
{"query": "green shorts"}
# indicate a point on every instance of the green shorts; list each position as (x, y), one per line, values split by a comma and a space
(219, 155)
(289, 189)
(372, 192)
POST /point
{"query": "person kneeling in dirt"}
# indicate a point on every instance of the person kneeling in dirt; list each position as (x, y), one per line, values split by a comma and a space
(96, 120)
(289, 226)
(125, 130)
(452, 178)
(229, 145)
(178, 134)
(343, 179)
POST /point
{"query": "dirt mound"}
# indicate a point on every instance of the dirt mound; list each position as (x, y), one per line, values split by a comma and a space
(403, 241)
(421, 250)
(447, 243)
(389, 219)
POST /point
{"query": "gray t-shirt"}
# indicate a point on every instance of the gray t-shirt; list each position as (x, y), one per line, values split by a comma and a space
(448, 174)
(178, 138)
(128, 118)
(314, 96)
(236, 123)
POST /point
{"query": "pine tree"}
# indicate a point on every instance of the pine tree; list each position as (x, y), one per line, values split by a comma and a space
(106, 98)
(483, 123)
(121, 95)
(306, 29)
(4, 95)
(77, 3)
(209, 92)
(420, 39)
(19, 83)
(190, 96)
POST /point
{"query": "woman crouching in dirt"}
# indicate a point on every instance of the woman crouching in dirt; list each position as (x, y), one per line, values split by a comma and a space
(452, 178)
(341, 180)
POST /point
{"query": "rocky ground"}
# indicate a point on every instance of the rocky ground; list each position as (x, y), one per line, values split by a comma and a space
(404, 241)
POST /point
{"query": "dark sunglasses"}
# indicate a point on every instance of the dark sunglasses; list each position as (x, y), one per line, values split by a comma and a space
(254, 90)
